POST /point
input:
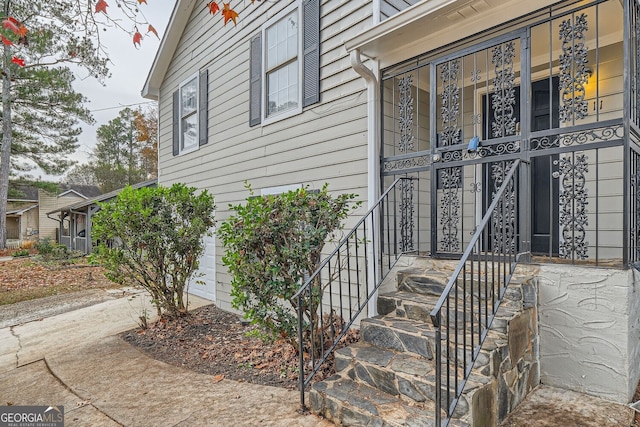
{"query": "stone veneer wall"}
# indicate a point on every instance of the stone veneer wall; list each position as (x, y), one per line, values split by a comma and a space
(508, 366)
(590, 330)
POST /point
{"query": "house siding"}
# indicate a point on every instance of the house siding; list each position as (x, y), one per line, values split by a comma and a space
(47, 203)
(327, 142)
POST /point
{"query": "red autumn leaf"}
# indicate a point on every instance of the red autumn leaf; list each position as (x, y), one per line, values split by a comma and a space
(101, 6)
(229, 14)
(22, 31)
(6, 41)
(18, 61)
(10, 25)
(152, 30)
(137, 37)
(213, 7)
(14, 20)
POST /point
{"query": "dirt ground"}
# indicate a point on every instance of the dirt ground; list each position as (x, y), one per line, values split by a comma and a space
(23, 279)
(212, 341)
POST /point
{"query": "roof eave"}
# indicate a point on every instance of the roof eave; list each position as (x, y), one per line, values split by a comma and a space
(427, 25)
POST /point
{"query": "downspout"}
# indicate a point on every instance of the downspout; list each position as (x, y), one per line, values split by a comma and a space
(373, 167)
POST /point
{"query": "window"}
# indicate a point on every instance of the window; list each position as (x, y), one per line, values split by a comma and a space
(190, 114)
(285, 64)
(282, 67)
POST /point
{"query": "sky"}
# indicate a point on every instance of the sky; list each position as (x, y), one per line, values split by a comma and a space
(129, 68)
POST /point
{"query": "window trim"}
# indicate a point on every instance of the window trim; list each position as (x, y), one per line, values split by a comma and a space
(297, 6)
(195, 76)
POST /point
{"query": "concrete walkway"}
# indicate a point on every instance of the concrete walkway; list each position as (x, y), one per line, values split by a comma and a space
(75, 359)
(71, 356)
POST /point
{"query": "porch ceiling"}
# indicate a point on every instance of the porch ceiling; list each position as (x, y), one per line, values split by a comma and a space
(430, 24)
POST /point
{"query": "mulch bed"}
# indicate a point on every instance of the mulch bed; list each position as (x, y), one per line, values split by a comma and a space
(212, 341)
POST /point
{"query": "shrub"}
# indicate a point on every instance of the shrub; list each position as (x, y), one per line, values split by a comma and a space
(271, 244)
(154, 237)
(49, 250)
(20, 252)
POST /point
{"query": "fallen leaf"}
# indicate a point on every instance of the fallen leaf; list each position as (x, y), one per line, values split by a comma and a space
(213, 7)
(101, 6)
(229, 14)
(6, 41)
(137, 37)
(18, 61)
(217, 378)
(11, 25)
(152, 30)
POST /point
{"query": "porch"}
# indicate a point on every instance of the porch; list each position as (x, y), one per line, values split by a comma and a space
(516, 144)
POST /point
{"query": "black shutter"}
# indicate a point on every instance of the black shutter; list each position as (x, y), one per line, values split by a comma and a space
(311, 52)
(176, 123)
(203, 110)
(255, 81)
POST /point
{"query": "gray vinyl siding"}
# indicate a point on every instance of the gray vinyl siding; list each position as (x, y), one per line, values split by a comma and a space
(47, 203)
(388, 8)
(327, 142)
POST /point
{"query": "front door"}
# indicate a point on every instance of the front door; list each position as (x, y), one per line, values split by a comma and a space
(544, 183)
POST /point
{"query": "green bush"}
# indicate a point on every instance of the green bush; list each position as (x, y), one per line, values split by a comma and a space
(20, 252)
(271, 244)
(51, 251)
(154, 237)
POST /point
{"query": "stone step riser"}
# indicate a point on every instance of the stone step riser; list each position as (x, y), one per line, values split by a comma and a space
(380, 335)
(348, 403)
(401, 308)
(434, 286)
(410, 378)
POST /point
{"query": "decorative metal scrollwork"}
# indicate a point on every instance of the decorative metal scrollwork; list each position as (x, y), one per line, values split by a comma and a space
(503, 97)
(405, 113)
(509, 147)
(504, 216)
(451, 133)
(573, 203)
(406, 216)
(573, 69)
(450, 180)
(578, 138)
(408, 163)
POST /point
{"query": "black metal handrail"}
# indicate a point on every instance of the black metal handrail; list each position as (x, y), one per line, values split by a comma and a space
(473, 294)
(333, 296)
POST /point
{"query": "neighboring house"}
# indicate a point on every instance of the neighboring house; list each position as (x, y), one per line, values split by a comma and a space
(74, 220)
(28, 204)
(454, 94)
